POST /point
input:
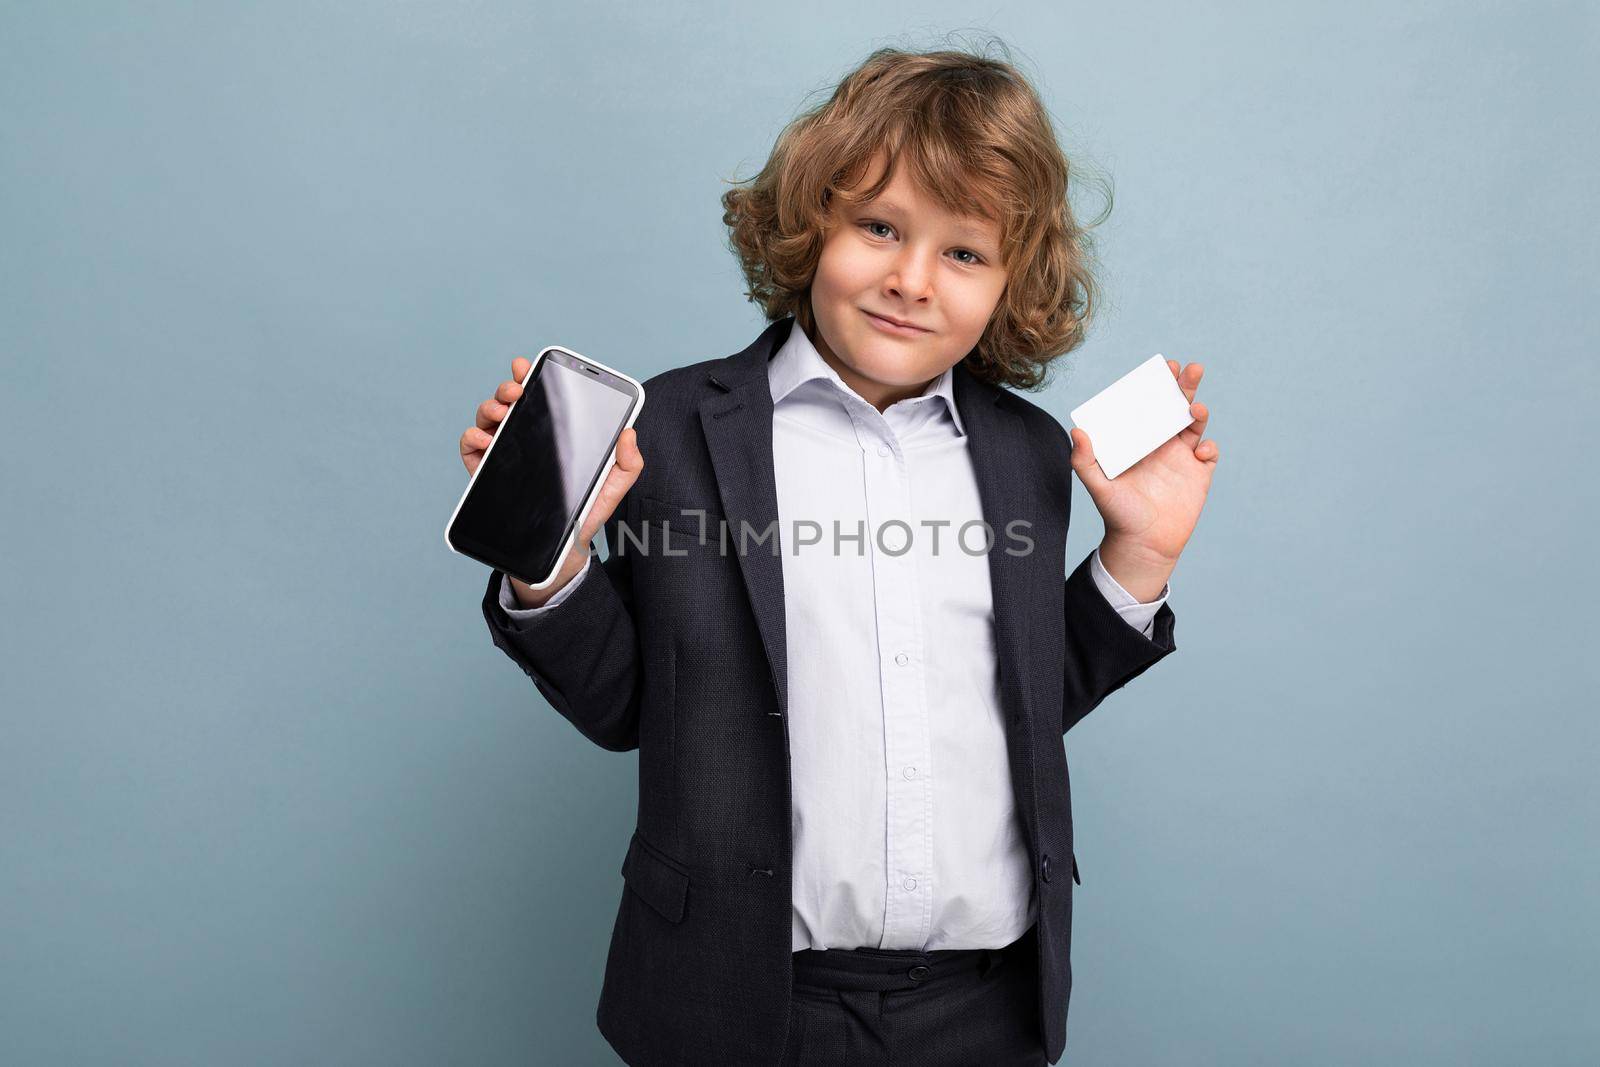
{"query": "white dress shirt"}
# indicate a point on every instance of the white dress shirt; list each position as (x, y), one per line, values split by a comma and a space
(905, 828)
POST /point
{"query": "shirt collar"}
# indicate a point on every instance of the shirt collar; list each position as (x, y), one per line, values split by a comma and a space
(797, 361)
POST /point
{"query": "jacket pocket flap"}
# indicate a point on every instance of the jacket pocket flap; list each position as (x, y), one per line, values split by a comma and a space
(694, 525)
(681, 515)
(660, 883)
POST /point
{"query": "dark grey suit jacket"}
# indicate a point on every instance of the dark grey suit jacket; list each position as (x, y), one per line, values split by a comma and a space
(682, 656)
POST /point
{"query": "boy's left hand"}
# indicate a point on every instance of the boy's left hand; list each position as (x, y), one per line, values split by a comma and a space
(1151, 508)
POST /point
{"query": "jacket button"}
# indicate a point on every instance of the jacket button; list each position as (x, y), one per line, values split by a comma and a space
(917, 973)
(1044, 867)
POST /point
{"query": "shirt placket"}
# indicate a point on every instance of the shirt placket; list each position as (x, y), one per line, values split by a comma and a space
(907, 747)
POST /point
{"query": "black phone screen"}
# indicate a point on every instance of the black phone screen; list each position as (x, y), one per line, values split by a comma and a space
(545, 459)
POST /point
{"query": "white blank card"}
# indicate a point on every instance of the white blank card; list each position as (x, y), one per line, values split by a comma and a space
(1134, 415)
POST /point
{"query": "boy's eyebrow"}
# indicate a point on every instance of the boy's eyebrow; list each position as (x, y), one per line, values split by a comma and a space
(893, 208)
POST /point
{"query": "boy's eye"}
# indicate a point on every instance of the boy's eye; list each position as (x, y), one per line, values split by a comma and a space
(976, 259)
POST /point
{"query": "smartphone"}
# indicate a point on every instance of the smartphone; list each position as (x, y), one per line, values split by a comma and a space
(524, 505)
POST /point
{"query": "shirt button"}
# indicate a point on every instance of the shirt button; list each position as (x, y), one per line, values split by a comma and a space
(884, 450)
(910, 772)
(901, 659)
(910, 884)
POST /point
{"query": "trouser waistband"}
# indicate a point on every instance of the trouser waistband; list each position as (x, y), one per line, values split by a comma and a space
(891, 969)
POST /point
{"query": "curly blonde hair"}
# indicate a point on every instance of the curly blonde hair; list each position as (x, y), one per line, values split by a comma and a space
(980, 142)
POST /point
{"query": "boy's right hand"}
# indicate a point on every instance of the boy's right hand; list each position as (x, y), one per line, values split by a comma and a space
(624, 472)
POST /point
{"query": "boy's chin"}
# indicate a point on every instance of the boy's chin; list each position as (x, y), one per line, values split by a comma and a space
(890, 373)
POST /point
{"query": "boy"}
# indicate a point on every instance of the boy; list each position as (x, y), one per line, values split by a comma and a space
(854, 835)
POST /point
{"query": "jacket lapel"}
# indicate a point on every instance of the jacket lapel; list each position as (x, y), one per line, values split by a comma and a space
(998, 444)
(997, 441)
(737, 421)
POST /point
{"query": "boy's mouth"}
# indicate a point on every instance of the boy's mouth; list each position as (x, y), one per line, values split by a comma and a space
(892, 326)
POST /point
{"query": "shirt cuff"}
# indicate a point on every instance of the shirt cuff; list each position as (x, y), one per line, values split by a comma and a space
(1139, 615)
(508, 597)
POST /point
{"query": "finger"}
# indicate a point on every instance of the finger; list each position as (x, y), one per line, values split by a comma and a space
(490, 412)
(1188, 378)
(508, 392)
(1208, 452)
(1192, 433)
(624, 472)
(1085, 464)
(471, 450)
(629, 458)
(618, 481)
(520, 368)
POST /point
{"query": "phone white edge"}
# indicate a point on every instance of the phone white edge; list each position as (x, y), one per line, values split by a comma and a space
(599, 483)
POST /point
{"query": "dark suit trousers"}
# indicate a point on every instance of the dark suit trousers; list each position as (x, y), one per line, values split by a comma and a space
(953, 1007)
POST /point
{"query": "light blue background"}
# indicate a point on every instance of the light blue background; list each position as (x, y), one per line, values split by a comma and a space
(268, 794)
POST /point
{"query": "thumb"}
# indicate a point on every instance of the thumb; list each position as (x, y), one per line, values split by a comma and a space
(1085, 464)
(624, 472)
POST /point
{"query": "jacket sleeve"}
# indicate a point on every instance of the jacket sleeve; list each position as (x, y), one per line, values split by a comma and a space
(1104, 651)
(508, 596)
(583, 653)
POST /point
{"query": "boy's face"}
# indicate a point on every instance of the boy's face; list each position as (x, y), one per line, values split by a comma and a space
(903, 256)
